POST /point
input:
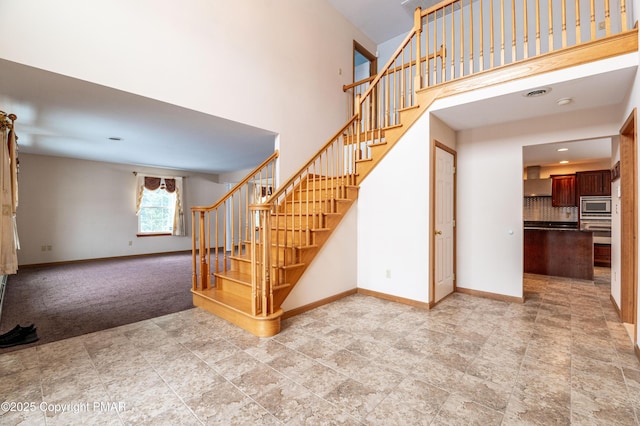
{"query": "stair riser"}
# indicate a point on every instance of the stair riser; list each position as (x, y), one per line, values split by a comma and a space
(290, 237)
(324, 194)
(316, 208)
(289, 221)
(233, 287)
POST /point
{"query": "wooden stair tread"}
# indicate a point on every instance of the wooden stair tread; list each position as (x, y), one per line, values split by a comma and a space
(235, 276)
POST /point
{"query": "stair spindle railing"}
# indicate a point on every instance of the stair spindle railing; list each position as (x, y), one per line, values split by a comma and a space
(451, 39)
(223, 229)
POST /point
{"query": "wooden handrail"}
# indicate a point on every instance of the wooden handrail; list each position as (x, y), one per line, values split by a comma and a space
(302, 169)
(358, 83)
(218, 203)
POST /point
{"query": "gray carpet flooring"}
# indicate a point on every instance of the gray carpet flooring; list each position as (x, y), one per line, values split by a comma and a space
(73, 299)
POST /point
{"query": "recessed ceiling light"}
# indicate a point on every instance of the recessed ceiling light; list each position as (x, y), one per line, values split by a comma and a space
(564, 101)
(115, 138)
(562, 149)
(564, 162)
(537, 92)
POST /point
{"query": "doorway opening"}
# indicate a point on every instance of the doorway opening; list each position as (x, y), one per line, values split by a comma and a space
(628, 195)
(365, 64)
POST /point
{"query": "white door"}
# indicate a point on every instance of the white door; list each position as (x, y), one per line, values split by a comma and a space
(444, 224)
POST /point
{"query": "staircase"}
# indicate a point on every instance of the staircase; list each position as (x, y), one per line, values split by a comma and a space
(253, 245)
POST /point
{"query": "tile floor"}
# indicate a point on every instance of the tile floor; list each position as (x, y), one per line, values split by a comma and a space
(560, 358)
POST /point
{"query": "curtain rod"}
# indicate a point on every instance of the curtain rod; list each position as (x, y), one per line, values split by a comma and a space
(164, 177)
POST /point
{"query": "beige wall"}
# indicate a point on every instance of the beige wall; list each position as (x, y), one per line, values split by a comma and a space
(86, 209)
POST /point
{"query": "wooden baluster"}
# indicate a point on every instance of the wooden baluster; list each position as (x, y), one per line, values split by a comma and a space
(470, 37)
(550, 27)
(491, 49)
(435, 37)
(385, 80)
(525, 44)
(564, 23)
(513, 30)
(204, 271)
(444, 43)
(255, 241)
(623, 14)
(607, 18)
(593, 20)
(578, 30)
(537, 27)
(417, 23)
(502, 32)
(453, 43)
(233, 225)
(224, 244)
(402, 100)
(462, 37)
(481, 33)
(216, 267)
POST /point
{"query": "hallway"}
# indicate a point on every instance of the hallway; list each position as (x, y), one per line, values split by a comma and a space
(562, 357)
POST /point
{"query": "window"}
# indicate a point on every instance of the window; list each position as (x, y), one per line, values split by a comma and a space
(159, 206)
(157, 212)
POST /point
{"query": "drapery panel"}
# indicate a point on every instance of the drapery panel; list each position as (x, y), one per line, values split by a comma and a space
(9, 243)
(169, 184)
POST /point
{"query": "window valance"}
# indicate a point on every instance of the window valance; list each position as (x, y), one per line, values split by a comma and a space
(169, 184)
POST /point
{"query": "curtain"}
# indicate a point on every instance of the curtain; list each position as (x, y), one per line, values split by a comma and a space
(172, 184)
(9, 201)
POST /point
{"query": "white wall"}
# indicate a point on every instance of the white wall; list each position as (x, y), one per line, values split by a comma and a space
(615, 228)
(393, 219)
(275, 65)
(333, 270)
(86, 209)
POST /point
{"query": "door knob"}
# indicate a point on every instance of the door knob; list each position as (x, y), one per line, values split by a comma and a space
(438, 232)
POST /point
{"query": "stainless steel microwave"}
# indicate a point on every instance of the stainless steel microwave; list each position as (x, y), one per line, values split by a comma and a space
(595, 207)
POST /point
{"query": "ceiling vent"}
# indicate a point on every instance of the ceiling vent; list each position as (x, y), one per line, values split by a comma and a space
(537, 92)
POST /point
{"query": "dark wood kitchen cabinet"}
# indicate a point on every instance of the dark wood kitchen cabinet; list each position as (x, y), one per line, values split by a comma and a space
(562, 253)
(563, 190)
(595, 182)
(602, 254)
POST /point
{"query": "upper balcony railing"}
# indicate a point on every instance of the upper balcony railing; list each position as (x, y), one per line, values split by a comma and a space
(458, 38)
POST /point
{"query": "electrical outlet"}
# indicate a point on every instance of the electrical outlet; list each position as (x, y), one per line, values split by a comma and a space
(43, 248)
(601, 25)
(49, 248)
(130, 242)
(388, 273)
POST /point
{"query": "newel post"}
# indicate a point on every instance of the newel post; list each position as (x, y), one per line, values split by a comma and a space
(204, 266)
(417, 23)
(260, 258)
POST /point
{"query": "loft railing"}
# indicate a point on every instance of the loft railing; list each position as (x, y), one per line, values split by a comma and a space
(223, 230)
(457, 38)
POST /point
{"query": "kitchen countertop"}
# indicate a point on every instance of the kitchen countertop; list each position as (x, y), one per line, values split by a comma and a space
(551, 225)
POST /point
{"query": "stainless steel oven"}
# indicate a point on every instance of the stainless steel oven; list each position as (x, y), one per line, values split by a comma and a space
(595, 216)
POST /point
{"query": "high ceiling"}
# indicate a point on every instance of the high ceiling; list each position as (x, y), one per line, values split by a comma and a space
(62, 116)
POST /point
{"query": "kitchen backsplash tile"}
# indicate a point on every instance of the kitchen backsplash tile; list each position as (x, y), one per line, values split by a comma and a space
(540, 209)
